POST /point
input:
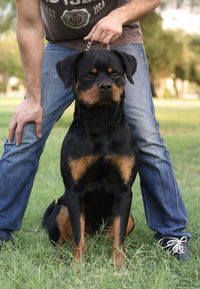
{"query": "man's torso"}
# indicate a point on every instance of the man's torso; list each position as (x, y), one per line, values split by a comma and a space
(67, 21)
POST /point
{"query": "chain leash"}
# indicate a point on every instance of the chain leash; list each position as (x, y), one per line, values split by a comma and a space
(89, 44)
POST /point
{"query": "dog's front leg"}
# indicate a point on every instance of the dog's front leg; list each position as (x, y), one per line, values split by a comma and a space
(77, 220)
(122, 205)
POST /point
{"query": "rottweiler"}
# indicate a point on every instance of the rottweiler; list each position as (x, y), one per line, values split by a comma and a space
(99, 154)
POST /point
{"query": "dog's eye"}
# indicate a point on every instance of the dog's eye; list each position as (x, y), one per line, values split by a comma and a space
(89, 76)
(114, 75)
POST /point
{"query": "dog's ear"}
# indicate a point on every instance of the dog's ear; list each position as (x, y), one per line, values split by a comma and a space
(66, 68)
(129, 63)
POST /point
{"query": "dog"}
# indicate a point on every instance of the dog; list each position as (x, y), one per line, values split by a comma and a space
(98, 156)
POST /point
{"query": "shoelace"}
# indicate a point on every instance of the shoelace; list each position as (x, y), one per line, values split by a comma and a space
(175, 244)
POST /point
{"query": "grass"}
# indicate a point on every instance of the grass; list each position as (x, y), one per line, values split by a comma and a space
(33, 263)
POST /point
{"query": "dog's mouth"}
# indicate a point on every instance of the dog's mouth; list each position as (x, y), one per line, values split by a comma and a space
(106, 101)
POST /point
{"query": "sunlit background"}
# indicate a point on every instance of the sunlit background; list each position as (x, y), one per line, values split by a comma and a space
(171, 39)
(181, 19)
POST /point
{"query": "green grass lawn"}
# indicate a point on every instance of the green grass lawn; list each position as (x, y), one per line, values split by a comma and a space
(33, 263)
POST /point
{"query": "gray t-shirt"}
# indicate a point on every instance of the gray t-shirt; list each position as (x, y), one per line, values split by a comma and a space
(66, 22)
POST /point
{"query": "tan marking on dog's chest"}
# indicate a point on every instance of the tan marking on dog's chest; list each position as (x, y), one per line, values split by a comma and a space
(124, 164)
(79, 166)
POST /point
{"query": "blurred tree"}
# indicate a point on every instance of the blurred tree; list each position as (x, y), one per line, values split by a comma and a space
(164, 51)
(171, 53)
(10, 63)
(7, 14)
(194, 46)
(193, 4)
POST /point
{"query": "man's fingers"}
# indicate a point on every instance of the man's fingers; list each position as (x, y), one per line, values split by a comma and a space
(114, 38)
(11, 130)
(38, 129)
(90, 35)
(103, 37)
(18, 133)
(99, 36)
(28, 111)
(17, 128)
(107, 40)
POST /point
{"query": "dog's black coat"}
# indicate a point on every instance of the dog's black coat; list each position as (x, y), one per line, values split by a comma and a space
(99, 153)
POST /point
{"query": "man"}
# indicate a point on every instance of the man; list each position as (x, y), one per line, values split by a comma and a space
(68, 25)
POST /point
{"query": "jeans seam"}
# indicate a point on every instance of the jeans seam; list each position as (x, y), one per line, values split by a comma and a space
(170, 162)
(166, 152)
(146, 66)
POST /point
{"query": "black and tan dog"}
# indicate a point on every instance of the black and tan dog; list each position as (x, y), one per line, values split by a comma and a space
(99, 154)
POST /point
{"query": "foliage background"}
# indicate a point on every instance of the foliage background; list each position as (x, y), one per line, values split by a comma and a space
(172, 54)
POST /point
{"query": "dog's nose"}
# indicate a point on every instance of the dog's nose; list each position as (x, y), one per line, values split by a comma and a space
(105, 87)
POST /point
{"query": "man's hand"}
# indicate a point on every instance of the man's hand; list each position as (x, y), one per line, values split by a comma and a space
(28, 111)
(107, 30)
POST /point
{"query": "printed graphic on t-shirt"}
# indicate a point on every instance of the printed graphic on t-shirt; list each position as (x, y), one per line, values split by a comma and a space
(76, 18)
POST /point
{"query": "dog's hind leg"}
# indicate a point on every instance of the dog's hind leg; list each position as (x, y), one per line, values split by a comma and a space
(130, 225)
(47, 213)
(64, 225)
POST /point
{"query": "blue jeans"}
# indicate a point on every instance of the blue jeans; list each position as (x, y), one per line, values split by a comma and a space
(164, 208)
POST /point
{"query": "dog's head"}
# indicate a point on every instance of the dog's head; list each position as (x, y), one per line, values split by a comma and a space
(97, 77)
